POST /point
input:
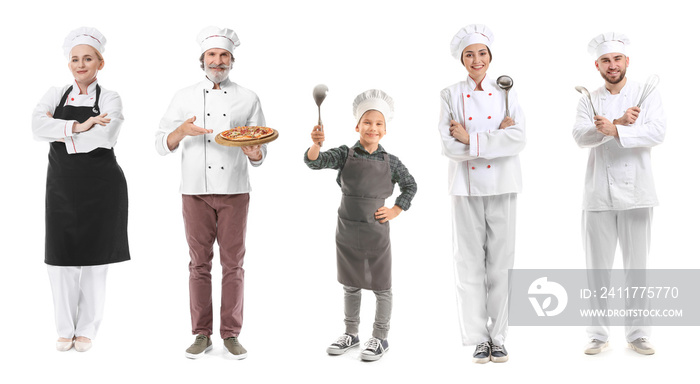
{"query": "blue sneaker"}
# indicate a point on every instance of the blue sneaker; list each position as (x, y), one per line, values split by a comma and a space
(374, 349)
(343, 343)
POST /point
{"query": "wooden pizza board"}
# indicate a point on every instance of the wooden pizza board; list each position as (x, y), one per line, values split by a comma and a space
(229, 143)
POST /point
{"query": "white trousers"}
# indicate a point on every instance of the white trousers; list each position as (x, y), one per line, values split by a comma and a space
(78, 299)
(484, 249)
(602, 230)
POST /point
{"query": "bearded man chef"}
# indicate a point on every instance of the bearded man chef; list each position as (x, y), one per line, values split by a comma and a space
(619, 193)
(214, 185)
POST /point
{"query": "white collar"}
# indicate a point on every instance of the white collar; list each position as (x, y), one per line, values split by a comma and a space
(208, 84)
(485, 83)
(91, 88)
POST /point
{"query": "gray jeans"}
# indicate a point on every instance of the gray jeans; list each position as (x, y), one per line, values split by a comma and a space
(353, 297)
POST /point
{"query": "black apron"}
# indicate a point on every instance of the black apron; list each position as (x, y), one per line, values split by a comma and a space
(86, 200)
(363, 247)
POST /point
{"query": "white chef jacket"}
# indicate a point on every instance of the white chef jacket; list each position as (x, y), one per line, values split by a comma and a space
(490, 164)
(619, 169)
(49, 129)
(208, 167)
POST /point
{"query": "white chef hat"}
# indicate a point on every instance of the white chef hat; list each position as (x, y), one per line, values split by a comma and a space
(607, 43)
(471, 34)
(84, 35)
(373, 99)
(215, 37)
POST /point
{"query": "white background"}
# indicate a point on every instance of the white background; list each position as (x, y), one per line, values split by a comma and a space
(293, 302)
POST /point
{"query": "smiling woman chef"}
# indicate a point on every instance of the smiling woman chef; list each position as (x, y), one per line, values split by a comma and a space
(482, 144)
(86, 194)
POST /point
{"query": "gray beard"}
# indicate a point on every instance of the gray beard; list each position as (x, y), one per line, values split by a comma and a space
(216, 77)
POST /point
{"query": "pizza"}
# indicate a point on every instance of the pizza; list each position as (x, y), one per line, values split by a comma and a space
(246, 133)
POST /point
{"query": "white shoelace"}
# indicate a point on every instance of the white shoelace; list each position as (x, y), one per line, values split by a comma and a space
(496, 348)
(344, 340)
(373, 344)
(483, 347)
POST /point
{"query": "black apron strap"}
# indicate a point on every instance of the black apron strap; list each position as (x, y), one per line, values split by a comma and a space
(96, 107)
(63, 101)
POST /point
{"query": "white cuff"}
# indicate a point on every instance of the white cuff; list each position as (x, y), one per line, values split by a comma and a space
(474, 145)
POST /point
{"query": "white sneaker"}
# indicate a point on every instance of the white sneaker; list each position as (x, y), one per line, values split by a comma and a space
(642, 346)
(595, 347)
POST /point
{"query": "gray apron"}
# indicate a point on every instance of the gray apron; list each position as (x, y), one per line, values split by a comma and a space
(362, 243)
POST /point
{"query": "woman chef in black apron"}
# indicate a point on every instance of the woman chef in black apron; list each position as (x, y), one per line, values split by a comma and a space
(86, 195)
(366, 175)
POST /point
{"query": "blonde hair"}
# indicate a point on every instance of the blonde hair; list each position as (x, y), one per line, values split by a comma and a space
(97, 53)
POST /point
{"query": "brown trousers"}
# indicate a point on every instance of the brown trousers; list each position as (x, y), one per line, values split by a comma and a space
(222, 218)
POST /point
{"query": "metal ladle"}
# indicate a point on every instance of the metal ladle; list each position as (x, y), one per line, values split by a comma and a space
(584, 91)
(505, 83)
(320, 92)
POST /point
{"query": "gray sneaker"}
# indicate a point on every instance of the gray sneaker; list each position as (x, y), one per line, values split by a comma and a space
(235, 348)
(343, 343)
(202, 344)
(643, 346)
(595, 347)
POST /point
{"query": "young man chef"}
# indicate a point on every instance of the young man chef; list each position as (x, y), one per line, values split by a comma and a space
(619, 192)
(214, 185)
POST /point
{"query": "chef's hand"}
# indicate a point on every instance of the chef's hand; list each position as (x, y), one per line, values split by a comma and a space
(605, 127)
(507, 122)
(189, 129)
(385, 214)
(317, 135)
(185, 129)
(458, 132)
(629, 117)
(253, 152)
(91, 122)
